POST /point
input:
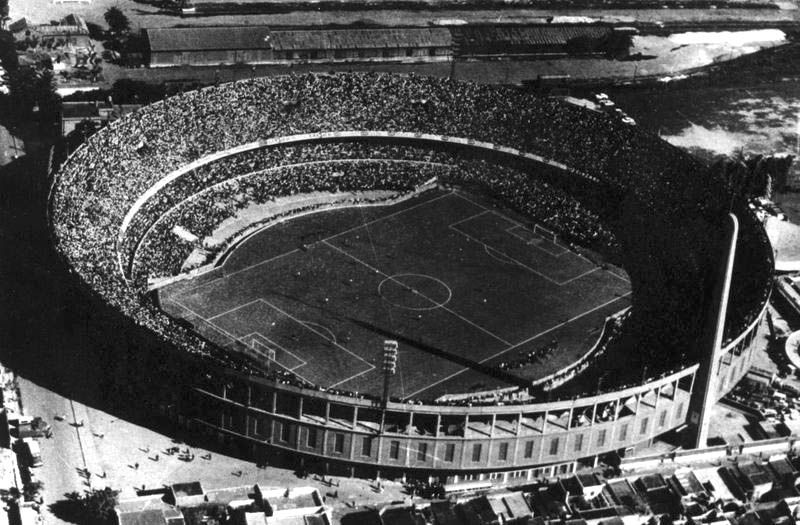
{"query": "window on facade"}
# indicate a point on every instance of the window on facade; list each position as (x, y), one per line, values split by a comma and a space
(366, 446)
(285, 431)
(662, 418)
(554, 446)
(578, 442)
(338, 443)
(502, 452)
(643, 428)
(449, 452)
(311, 438)
(601, 438)
(528, 449)
(623, 432)
(422, 452)
(394, 450)
(476, 452)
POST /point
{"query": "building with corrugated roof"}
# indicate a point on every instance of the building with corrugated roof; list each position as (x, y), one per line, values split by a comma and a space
(207, 46)
(362, 44)
(212, 46)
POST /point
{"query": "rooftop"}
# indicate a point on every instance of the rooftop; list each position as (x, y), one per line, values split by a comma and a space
(207, 38)
(361, 38)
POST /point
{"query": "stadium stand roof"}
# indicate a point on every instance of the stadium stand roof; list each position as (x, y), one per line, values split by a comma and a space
(207, 38)
(361, 38)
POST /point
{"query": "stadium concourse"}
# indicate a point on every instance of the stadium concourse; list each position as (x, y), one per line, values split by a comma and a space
(606, 189)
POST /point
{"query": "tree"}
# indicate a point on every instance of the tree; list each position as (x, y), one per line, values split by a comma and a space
(8, 51)
(30, 86)
(96, 506)
(116, 20)
(32, 489)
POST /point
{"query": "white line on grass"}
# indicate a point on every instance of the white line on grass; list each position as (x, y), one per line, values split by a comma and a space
(471, 217)
(516, 345)
(365, 224)
(276, 257)
(269, 341)
(323, 327)
(564, 250)
(239, 339)
(475, 239)
(349, 378)
(307, 327)
(418, 293)
(245, 305)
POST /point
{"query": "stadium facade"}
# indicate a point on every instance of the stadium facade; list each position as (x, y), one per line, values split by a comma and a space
(103, 207)
(506, 444)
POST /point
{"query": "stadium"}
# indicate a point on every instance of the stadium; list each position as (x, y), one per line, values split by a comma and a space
(544, 268)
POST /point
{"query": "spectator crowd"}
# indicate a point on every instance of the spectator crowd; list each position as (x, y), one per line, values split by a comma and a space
(656, 210)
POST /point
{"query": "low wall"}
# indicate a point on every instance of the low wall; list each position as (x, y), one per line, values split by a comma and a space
(711, 454)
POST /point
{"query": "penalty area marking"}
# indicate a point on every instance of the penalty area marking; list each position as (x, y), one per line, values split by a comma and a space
(255, 336)
(307, 327)
(322, 327)
(494, 254)
(517, 345)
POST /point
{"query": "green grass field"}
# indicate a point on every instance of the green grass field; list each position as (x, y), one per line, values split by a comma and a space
(462, 285)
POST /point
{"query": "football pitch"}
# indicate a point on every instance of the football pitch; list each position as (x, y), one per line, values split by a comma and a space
(461, 284)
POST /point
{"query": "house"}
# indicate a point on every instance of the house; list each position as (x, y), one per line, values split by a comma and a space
(754, 479)
(73, 113)
(147, 510)
(242, 505)
(70, 34)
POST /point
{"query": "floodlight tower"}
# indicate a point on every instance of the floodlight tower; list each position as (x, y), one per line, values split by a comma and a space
(706, 384)
(389, 366)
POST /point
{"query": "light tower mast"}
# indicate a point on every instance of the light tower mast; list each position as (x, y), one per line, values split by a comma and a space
(389, 366)
(706, 385)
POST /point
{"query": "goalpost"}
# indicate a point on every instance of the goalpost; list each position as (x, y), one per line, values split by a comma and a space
(264, 350)
(545, 233)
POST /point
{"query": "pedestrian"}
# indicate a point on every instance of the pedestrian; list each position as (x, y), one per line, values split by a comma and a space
(136, 466)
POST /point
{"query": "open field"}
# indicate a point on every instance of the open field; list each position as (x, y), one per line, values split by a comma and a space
(462, 286)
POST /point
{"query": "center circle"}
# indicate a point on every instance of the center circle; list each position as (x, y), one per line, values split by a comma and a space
(414, 291)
